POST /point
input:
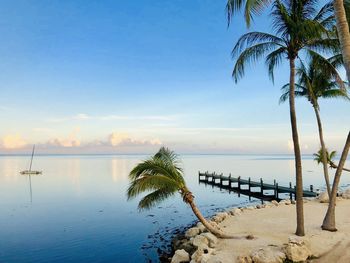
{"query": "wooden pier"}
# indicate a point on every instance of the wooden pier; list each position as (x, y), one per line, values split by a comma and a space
(231, 183)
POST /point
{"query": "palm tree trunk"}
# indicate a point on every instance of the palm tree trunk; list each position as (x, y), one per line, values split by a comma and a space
(212, 229)
(329, 220)
(324, 151)
(343, 33)
(298, 170)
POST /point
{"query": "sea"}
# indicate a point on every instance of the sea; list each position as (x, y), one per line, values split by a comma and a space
(77, 210)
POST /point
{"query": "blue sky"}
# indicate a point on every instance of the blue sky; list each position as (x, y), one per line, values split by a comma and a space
(129, 76)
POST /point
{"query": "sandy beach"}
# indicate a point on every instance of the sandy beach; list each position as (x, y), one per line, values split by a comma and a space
(273, 225)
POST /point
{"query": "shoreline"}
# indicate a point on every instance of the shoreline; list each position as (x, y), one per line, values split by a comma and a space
(272, 225)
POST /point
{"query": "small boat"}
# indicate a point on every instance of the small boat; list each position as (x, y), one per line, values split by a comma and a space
(30, 172)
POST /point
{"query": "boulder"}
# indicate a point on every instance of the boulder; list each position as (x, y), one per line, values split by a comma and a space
(180, 256)
(250, 207)
(219, 217)
(191, 232)
(235, 212)
(285, 202)
(201, 227)
(213, 240)
(274, 202)
(346, 194)
(197, 256)
(323, 197)
(200, 241)
(202, 255)
(268, 254)
(297, 249)
(187, 245)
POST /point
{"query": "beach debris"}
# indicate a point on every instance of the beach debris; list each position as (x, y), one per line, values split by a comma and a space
(180, 256)
(269, 254)
(297, 249)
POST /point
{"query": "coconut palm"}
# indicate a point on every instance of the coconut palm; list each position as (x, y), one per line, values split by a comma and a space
(297, 26)
(329, 220)
(330, 159)
(319, 80)
(341, 12)
(162, 176)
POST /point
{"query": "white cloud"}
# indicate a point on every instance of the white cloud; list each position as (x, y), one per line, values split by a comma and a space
(70, 141)
(14, 141)
(123, 139)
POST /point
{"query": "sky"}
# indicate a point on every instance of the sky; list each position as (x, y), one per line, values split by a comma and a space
(129, 76)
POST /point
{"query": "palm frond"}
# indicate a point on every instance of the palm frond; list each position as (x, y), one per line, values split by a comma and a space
(156, 166)
(251, 8)
(254, 38)
(335, 93)
(148, 183)
(249, 55)
(274, 59)
(169, 157)
(154, 198)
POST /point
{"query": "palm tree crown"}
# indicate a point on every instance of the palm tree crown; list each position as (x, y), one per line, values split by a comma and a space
(161, 175)
(297, 26)
(319, 80)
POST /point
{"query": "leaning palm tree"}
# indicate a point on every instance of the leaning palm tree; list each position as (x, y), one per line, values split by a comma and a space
(330, 159)
(162, 176)
(319, 80)
(339, 7)
(298, 26)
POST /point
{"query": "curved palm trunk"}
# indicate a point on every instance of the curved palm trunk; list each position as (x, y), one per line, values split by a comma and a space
(207, 225)
(298, 170)
(324, 151)
(329, 220)
(343, 33)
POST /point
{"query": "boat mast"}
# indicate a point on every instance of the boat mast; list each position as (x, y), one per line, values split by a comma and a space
(31, 160)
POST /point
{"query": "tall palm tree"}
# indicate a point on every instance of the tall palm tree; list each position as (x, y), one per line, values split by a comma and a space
(329, 220)
(341, 12)
(162, 176)
(298, 26)
(319, 80)
(330, 159)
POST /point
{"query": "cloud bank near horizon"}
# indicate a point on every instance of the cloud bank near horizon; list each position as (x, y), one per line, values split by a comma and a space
(122, 142)
(116, 141)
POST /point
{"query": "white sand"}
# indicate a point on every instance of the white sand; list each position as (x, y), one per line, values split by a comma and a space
(273, 226)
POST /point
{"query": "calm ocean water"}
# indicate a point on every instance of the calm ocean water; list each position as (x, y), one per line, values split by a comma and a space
(77, 210)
